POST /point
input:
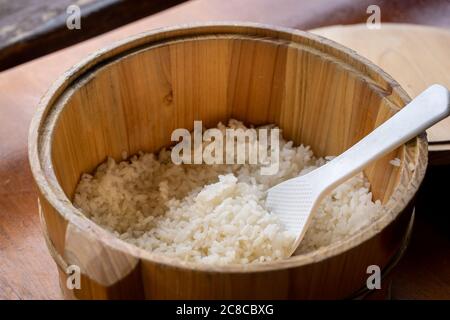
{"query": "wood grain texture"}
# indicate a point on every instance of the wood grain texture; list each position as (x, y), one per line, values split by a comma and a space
(33, 28)
(415, 56)
(28, 271)
(116, 100)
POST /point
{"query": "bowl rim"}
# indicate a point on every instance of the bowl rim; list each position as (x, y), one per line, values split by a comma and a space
(45, 178)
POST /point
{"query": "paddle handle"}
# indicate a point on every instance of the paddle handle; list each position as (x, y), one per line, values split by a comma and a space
(428, 108)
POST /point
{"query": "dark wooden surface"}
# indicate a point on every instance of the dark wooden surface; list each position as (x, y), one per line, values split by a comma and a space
(32, 28)
(424, 271)
(27, 270)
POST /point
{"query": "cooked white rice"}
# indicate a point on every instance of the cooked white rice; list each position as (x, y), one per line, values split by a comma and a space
(215, 213)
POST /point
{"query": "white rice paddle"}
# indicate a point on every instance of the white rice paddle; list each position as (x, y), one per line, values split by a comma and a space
(296, 199)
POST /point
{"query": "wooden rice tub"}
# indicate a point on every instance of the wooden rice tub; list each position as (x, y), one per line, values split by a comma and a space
(133, 94)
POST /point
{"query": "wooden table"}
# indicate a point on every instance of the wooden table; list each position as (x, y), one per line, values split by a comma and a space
(26, 269)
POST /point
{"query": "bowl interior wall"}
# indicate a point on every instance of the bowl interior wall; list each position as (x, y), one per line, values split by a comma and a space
(135, 102)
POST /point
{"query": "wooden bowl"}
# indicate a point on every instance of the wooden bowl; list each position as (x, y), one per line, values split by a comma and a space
(133, 94)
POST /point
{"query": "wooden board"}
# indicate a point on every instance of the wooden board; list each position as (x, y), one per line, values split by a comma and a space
(26, 269)
(415, 56)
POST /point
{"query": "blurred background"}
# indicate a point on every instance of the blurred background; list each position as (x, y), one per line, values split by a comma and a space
(32, 28)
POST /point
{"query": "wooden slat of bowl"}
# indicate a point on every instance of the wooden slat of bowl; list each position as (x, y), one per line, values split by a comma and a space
(363, 293)
(93, 111)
